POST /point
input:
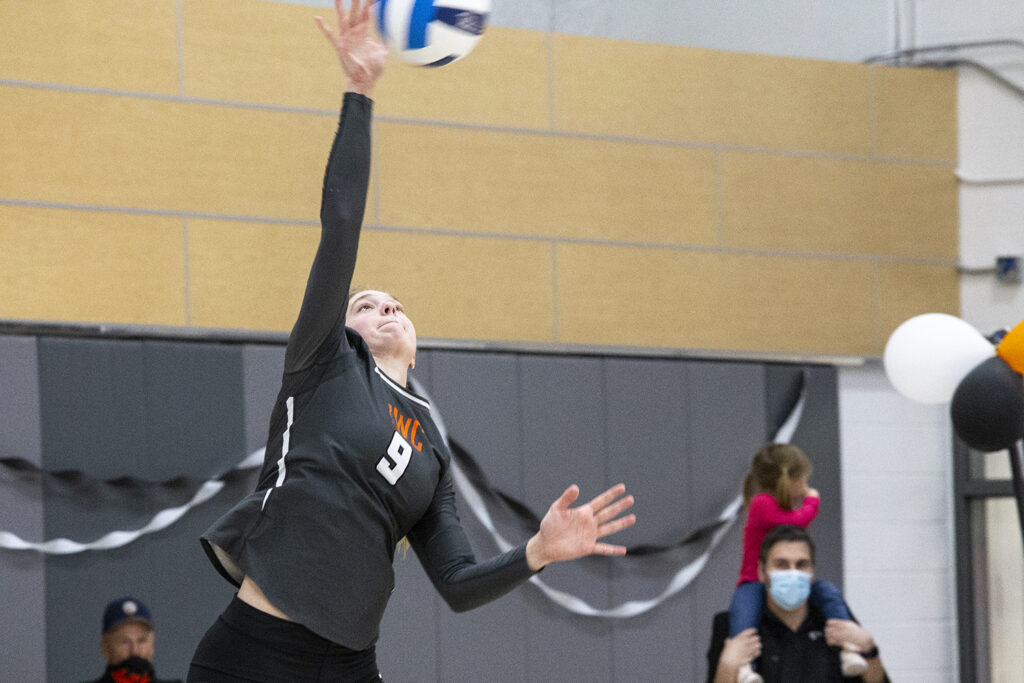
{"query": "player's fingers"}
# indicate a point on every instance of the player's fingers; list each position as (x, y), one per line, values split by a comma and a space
(357, 13)
(344, 15)
(609, 549)
(567, 498)
(603, 499)
(324, 28)
(609, 528)
(615, 509)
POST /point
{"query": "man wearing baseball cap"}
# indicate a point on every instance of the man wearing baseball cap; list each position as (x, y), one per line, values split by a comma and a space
(127, 643)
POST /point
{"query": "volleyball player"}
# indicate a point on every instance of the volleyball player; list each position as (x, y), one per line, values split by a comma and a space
(355, 462)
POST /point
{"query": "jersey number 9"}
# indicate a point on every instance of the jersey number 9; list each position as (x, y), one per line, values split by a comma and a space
(392, 466)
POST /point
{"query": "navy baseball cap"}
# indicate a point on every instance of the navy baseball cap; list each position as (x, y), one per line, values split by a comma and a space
(125, 609)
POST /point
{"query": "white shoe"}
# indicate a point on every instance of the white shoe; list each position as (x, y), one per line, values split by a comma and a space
(852, 663)
(748, 675)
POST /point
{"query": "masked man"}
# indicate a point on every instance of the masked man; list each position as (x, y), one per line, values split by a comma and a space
(127, 643)
(794, 643)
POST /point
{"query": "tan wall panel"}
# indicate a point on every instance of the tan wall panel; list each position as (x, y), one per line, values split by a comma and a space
(453, 178)
(247, 275)
(166, 156)
(917, 113)
(116, 44)
(258, 51)
(909, 289)
(252, 276)
(644, 297)
(648, 90)
(88, 266)
(464, 287)
(820, 205)
(273, 53)
(503, 82)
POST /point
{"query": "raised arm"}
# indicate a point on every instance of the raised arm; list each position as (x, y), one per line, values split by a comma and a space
(565, 533)
(345, 184)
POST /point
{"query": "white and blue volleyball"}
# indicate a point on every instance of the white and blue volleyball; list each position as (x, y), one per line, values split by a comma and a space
(432, 32)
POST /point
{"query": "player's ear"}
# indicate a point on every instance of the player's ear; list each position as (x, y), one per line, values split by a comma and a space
(412, 363)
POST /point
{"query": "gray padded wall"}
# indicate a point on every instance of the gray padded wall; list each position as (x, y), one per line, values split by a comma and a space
(150, 409)
(680, 433)
(22, 619)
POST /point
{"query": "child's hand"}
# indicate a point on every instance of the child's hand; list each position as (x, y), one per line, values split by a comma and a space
(811, 493)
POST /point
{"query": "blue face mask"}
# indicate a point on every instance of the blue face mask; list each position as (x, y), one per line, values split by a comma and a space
(789, 587)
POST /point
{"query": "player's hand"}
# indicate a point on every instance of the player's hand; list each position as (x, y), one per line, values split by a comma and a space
(567, 533)
(361, 54)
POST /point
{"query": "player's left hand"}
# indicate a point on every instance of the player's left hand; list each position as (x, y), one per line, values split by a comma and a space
(567, 533)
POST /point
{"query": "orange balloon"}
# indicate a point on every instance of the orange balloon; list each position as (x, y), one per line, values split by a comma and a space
(1011, 348)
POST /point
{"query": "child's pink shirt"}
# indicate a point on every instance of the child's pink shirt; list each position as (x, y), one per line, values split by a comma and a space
(763, 514)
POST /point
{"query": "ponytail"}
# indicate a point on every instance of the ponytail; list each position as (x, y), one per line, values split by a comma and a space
(750, 487)
(773, 470)
(781, 493)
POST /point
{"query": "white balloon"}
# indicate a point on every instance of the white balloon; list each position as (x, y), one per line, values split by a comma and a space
(927, 356)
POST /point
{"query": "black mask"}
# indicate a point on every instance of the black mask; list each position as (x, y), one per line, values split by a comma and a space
(133, 670)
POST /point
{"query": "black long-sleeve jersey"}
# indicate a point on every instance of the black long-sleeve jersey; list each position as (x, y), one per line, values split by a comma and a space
(354, 461)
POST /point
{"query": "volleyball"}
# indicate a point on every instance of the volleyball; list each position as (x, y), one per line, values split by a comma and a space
(432, 32)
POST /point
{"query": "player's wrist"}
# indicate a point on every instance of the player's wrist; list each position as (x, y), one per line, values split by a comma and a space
(535, 557)
(361, 87)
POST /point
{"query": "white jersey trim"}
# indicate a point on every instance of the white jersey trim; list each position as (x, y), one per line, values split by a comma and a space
(401, 390)
(282, 469)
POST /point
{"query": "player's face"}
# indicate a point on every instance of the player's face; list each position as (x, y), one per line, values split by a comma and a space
(380, 320)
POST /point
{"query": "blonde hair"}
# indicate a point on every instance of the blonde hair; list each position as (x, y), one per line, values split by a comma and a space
(773, 471)
(356, 289)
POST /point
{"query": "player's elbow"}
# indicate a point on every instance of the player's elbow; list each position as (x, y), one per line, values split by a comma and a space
(458, 601)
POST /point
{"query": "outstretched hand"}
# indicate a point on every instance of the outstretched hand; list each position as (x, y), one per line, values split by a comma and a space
(362, 55)
(567, 533)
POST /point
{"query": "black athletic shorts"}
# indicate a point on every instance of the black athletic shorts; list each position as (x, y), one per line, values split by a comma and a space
(246, 644)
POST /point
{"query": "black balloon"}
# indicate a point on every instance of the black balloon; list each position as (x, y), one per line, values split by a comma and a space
(988, 406)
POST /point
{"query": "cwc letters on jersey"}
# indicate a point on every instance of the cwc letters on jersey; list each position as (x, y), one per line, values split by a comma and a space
(406, 427)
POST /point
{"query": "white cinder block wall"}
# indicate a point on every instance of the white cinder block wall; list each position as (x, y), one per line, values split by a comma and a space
(897, 455)
(900, 571)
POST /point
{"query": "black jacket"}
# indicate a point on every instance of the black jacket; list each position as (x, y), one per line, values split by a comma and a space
(132, 672)
(800, 656)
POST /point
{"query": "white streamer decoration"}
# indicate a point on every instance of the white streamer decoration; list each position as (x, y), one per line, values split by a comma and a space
(683, 577)
(116, 539)
(632, 608)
